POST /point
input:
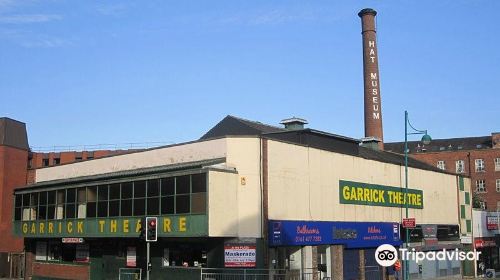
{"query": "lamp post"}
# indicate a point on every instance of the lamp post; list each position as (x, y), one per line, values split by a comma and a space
(426, 139)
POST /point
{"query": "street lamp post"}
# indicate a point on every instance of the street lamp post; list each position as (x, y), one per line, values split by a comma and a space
(426, 139)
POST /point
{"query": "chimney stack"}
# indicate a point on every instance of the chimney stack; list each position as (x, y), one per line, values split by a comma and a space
(373, 102)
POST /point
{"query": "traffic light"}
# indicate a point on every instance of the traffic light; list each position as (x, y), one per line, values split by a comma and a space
(151, 230)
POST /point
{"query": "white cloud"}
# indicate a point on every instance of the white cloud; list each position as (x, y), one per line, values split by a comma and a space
(113, 9)
(33, 18)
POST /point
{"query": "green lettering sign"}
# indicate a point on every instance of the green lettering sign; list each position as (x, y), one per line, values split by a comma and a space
(379, 195)
(174, 225)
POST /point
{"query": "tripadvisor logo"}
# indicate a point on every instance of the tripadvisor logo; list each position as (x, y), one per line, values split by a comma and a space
(387, 255)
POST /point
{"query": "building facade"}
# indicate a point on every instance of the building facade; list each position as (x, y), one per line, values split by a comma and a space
(475, 157)
(17, 168)
(245, 195)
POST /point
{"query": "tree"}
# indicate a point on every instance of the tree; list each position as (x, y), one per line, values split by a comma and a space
(477, 201)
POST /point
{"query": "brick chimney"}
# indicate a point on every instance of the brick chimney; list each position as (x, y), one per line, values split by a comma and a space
(373, 102)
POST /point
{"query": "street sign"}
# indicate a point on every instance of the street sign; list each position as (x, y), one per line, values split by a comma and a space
(72, 240)
(409, 223)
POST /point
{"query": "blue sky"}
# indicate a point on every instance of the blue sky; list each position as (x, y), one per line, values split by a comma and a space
(90, 72)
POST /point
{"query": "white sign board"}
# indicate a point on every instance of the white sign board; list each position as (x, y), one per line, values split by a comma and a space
(41, 251)
(131, 257)
(239, 255)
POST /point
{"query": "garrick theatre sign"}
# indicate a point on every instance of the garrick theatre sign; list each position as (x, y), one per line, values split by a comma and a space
(379, 195)
(168, 226)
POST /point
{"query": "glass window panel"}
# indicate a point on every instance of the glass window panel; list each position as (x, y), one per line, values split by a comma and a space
(182, 204)
(43, 198)
(199, 203)
(102, 193)
(139, 189)
(42, 212)
(167, 205)
(153, 206)
(139, 206)
(126, 207)
(17, 214)
(127, 190)
(91, 209)
(153, 188)
(168, 186)
(114, 191)
(52, 197)
(19, 200)
(182, 184)
(61, 196)
(114, 208)
(34, 199)
(70, 211)
(199, 183)
(51, 210)
(81, 197)
(26, 199)
(81, 211)
(102, 209)
(92, 194)
(70, 195)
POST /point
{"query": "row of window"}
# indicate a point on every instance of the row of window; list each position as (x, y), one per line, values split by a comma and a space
(171, 195)
(460, 165)
(481, 185)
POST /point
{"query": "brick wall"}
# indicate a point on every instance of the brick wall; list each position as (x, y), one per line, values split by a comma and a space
(489, 175)
(61, 271)
(12, 174)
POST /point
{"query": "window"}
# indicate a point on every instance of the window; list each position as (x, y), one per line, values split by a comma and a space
(498, 185)
(467, 198)
(91, 202)
(81, 203)
(45, 162)
(57, 161)
(60, 200)
(114, 200)
(171, 195)
(460, 166)
(480, 186)
(497, 164)
(153, 200)
(441, 165)
(498, 205)
(102, 201)
(479, 165)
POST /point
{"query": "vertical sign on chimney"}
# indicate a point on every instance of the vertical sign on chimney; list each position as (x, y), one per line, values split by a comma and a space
(373, 102)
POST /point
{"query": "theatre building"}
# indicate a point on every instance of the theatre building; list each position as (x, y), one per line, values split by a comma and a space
(294, 200)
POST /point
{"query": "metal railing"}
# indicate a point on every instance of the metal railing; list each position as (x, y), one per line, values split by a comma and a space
(256, 274)
(95, 147)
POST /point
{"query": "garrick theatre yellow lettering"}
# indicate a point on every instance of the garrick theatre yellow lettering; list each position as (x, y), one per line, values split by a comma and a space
(380, 196)
(97, 227)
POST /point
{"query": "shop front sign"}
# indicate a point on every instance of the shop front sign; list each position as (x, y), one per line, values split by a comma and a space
(379, 195)
(239, 255)
(178, 226)
(351, 234)
(484, 242)
(491, 222)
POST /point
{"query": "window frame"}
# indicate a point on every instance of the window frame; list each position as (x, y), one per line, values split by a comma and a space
(479, 165)
(441, 164)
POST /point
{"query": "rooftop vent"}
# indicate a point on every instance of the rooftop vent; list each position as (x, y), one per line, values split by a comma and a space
(294, 123)
(370, 142)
